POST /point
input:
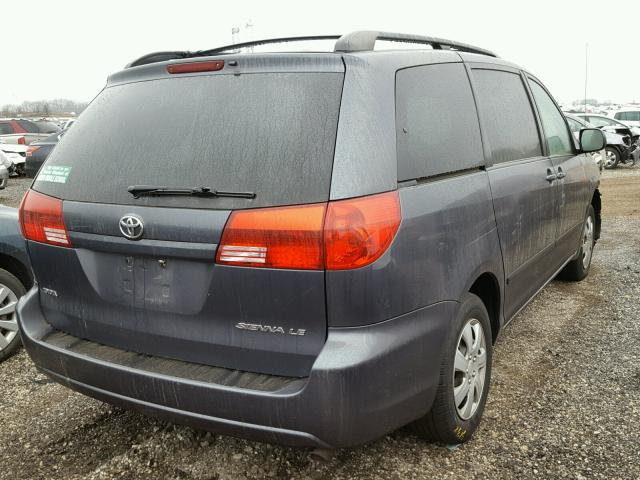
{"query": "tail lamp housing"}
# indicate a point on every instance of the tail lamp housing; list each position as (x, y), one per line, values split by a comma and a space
(338, 235)
(41, 219)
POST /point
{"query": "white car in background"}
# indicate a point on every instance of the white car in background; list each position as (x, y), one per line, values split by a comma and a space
(619, 148)
(609, 124)
(5, 165)
(629, 115)
(16, 154)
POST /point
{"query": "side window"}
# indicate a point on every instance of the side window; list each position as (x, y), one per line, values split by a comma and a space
(573, 125)
(506, 114)
(620, 116)
(555, 128)
(437, 127)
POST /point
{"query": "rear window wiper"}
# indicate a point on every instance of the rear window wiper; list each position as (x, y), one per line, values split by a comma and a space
(152, 191)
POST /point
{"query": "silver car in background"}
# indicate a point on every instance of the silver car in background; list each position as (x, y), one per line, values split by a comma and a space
(619, 148)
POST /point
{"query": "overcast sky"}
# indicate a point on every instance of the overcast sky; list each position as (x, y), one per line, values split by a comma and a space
(66, 49)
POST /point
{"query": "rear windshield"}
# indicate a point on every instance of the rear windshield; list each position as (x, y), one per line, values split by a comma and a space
(269, 133)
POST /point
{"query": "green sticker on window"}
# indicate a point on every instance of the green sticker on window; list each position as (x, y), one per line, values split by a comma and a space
(54, 173)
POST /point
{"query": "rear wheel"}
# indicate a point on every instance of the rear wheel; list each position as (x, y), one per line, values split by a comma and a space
(612, 158)
(465, 374)
(11, 289)
(578, 268)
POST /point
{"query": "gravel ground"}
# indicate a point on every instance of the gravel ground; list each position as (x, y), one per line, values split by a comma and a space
(564, 402)
(12, 194)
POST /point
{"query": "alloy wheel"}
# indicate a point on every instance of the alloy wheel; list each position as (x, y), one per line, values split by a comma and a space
(469, 370)
(8, 317)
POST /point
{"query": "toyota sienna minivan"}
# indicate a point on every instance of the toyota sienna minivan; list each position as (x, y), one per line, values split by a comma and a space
(311, 249)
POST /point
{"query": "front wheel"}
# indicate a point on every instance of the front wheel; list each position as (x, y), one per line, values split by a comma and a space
(465, 374)
(578, 268)
(612, 158)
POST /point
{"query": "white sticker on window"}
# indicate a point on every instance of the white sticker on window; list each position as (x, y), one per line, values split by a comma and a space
(54, 173)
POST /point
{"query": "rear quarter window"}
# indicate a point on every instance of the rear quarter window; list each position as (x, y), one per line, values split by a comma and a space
(437, 127)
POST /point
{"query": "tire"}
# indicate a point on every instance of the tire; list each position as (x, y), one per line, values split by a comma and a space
(612, 158)
(578, 268)
(448, 421)
(9, 335)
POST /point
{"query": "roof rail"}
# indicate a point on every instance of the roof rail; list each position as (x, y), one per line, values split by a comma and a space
(364, 40)
(164, 56)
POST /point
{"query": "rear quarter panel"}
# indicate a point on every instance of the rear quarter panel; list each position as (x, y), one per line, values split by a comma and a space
(447, 238)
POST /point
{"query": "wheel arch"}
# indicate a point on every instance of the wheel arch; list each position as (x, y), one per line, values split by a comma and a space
(487, 287)
(596, 203)
(17, 268)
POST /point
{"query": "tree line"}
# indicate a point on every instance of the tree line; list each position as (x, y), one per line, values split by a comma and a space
(43, 108)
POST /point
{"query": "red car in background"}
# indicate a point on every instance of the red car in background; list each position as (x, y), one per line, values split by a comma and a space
(25, 131)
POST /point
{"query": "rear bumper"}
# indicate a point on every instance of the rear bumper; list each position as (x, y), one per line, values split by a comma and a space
(366, 381)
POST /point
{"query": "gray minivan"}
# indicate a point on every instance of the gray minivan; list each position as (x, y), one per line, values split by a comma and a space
(311, 249)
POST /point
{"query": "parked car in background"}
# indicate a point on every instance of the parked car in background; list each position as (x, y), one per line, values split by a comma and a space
(17, 154)
(607, 123)
(619, 148)
(15, 278)
(67, 124)
(630, 116)
(25, 131)
(5, 165)
(347, 237)
(38, 152)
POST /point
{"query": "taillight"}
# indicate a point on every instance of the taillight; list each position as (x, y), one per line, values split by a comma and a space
(21, 141)
(358, 231)
(30, 150)
(280, 237)
(41, 219)
(340, 235)
(193, 67)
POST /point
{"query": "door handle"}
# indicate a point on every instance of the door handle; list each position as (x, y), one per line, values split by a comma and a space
(560, 174)
(551, 176)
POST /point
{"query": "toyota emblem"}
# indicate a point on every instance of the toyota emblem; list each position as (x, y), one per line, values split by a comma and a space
(131, 227)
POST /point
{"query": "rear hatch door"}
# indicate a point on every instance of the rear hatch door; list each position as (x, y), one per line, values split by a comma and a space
(268, 132)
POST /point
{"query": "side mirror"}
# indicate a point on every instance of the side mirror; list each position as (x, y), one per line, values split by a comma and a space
(592, 140)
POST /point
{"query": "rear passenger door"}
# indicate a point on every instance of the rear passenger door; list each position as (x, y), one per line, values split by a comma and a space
(521, 179)
(571, 184)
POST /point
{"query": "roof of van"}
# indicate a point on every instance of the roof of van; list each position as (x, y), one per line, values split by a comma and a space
(352, 49)
(359, 41)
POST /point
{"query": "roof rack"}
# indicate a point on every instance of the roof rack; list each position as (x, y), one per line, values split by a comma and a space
(365, 40)
(360, 41)
(164, 56)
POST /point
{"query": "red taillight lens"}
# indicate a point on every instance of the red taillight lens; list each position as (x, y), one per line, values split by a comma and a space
(280, 237)
(30, 150)
(193, 67)
(358, 231)
(339, 235)
(41, 219)
(21, 141)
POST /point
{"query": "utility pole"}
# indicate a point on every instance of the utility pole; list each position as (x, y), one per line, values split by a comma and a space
(248, 27)
(586, 70)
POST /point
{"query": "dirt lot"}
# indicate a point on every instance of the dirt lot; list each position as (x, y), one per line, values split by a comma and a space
(565, 399)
